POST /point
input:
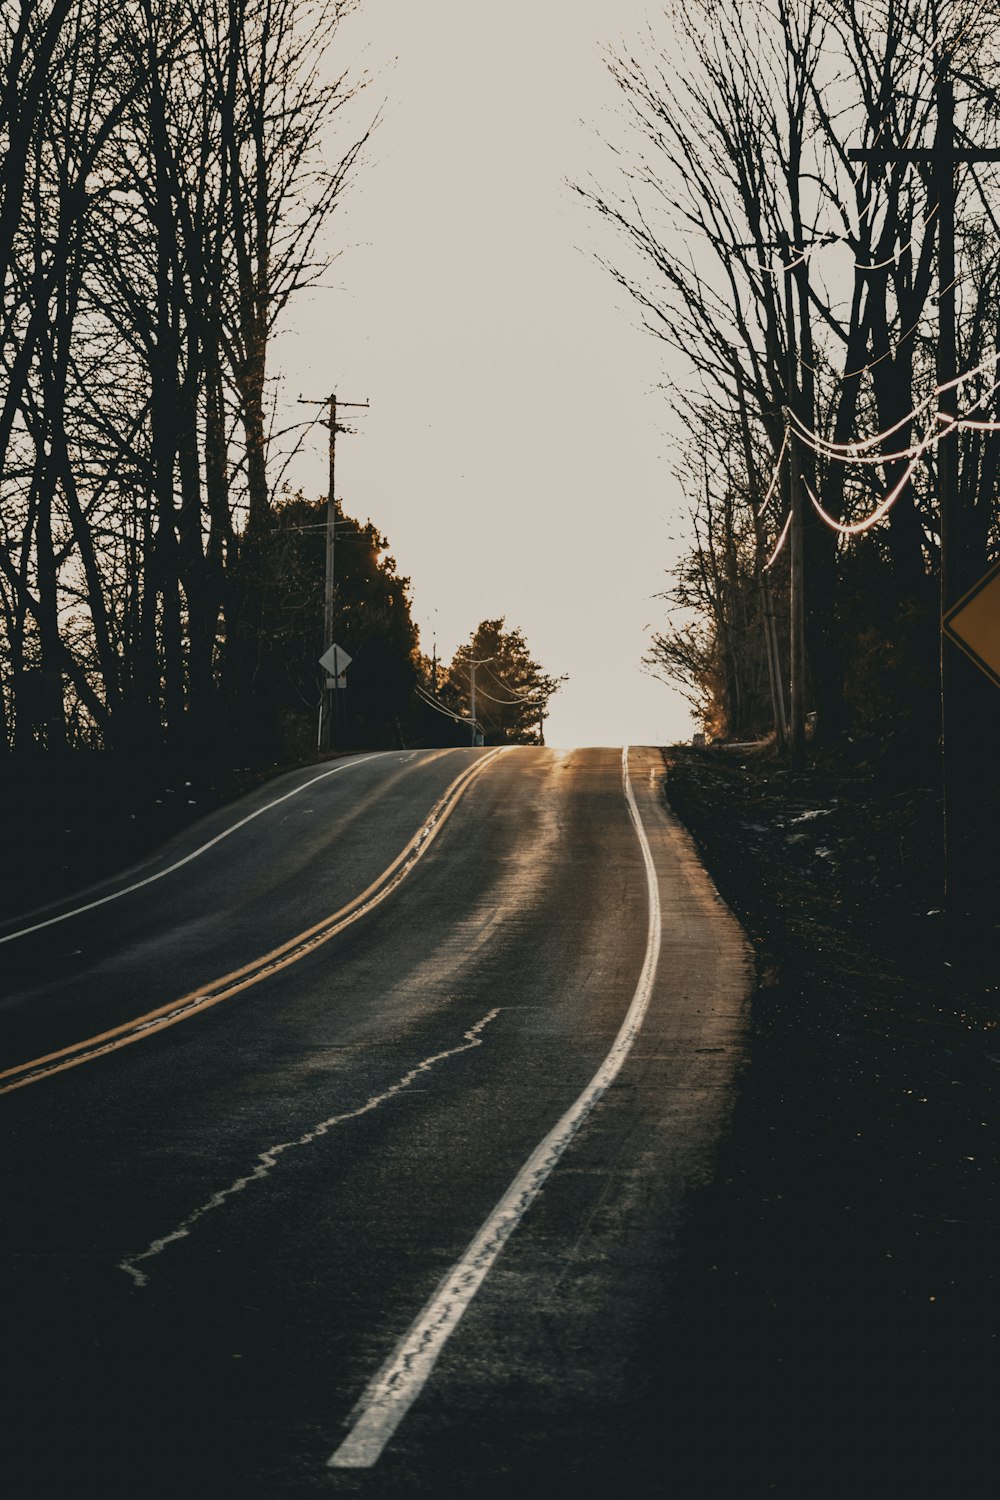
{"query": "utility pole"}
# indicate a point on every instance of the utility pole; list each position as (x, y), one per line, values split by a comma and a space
(481, 662)
(796, 584)
(472, 699)
(961, 686)
(766, 598)
(954, 786)
(329, 705)
(795, 725)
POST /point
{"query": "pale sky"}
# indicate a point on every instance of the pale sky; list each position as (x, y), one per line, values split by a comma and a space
(516, 449)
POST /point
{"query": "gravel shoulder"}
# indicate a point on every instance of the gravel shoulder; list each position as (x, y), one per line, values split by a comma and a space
(836, 1328)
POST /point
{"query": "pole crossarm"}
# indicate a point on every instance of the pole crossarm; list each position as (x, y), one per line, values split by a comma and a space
(325, 401)
(918, 153)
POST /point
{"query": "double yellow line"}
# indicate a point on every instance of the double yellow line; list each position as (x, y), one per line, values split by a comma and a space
(224, 988)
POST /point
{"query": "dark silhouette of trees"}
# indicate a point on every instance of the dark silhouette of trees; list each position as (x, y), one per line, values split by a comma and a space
(739, 183)
(372, 623)
(168, 173)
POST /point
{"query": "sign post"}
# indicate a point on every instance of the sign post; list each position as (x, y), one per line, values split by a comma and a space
(335, 662)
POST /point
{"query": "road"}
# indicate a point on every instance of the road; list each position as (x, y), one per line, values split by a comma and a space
(349, 1139)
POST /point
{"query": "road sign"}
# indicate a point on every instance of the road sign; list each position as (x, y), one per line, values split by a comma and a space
(974, 624)
(337, 682)
(335, 661)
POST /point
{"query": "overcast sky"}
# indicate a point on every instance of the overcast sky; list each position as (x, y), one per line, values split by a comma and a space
(516, 449)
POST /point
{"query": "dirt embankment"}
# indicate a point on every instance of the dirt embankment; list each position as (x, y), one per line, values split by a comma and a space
(841, 1336)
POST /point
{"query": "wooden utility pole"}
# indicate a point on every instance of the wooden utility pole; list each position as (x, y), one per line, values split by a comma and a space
(795, 725)
(328, 711)
(954, 786)
(479, 662)
(796, 586)
(771, 650)
(959, 680)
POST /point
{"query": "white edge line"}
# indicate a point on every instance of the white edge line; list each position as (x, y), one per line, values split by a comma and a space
(76, 911)
(24, 1074)
(397, 1385)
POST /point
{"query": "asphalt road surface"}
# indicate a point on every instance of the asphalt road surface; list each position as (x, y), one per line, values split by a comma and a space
(347, 1141)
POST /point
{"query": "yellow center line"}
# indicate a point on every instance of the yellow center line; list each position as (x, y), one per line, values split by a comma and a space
(207, 995)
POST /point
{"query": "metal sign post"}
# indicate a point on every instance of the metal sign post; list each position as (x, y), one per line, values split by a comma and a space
(334, 662)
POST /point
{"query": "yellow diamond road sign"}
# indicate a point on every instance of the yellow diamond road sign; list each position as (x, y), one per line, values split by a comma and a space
(974, 624)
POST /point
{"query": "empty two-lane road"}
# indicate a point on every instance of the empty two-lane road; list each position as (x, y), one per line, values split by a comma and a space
(346, 1141)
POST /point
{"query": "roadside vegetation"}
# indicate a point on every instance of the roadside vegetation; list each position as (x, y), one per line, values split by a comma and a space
(799, 286)
(169, 174)
(169, 183)
(840, 1255)
(170, 178)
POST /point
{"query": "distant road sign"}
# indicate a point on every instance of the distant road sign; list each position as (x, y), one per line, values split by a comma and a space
(335, 661)
(974, 624)
(337, 682)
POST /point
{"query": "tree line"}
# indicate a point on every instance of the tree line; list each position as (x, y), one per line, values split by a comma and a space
(799, 283)
(168, 173)
(395, 695)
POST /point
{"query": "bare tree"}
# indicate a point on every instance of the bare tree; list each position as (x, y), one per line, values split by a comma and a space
(740, 180)
(166, 191)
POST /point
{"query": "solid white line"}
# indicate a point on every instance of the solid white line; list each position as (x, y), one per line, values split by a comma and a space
(391, 1393)
(178, 864)
(22, 1075)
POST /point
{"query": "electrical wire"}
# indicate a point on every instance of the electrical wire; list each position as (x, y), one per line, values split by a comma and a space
(505, 702)
(876, 460)
(888, 354)
(779, 544)
(521, 699)
(854, 451)
(855, 528)
(950, 424)
(433, 703)
(775, 476)
(882, 265)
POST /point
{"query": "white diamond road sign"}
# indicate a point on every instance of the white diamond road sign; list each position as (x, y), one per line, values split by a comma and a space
(335, 661)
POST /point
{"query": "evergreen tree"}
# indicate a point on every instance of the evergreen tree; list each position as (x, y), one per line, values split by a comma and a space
(371, 621)
(512, 691)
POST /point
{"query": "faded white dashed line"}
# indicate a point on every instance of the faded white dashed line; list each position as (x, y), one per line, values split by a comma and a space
(268, 1160)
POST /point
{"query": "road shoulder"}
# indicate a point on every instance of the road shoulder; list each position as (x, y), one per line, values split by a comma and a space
(838, 1334)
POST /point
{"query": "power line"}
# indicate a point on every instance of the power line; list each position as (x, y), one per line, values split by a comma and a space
(433, 703)
(775, 476)
(506, 702)
(854, 451)
(779, 545)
